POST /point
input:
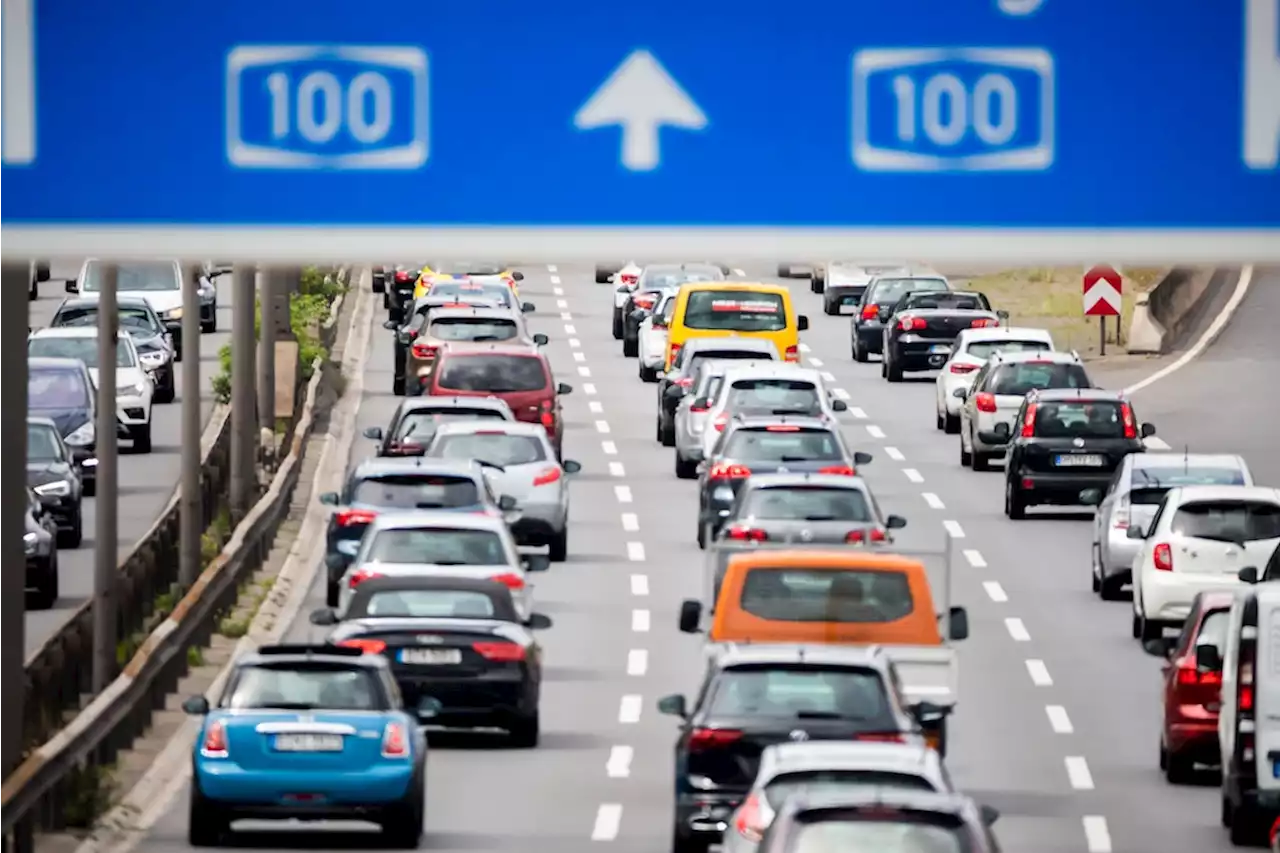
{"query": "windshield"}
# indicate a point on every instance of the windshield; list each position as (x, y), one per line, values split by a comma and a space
(43, 444)
(496, 374)
(735, 310)
(1017, 380)
(946, 301)
(430, 603)
(1098, 419)
(844, 693)
(889, 290)
(798, 396)
(704, 356)
(660, 277)
(467, 268)
(1228, 520)
(986, 349)
(774, 445)
(902, 835)
(82, 349)
(304, 686)
(822, 781)
(57, 389)
(132, 317)
(496, 448)
(808, 503)
(409, 491)
(134, 277)
(461, 290)
(474, 329)
(419, 426)
(447, 546)
(826, 595)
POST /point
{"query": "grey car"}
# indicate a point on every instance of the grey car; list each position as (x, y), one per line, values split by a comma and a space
(675, 383)
(694, 408)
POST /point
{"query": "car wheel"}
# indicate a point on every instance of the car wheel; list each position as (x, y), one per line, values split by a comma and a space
(617, 324)
(630, 347)
(402, 825)
(1178, 769)
(1149, 629)
(90, 486)
(166, 392)
(46, 592)
(1248, 827)
(981, 461)
(1014, 505)
(938, 419)
(892, 371)
(951, 424)
(784, 270)
(73, 537)
(397, 385)
(1110, 588)
(657, 430)
(686, 469)
(830, 308)
(33, 293)
(524, 732)
(966, 458)
(648, 374)
(386, 301)
(682, 841)
(378, 284)
(211, 325)
(668, 436)
(702, 532)
(603, 275)
(207, 824)
(331, 591)
(141, 438)
(559, 546)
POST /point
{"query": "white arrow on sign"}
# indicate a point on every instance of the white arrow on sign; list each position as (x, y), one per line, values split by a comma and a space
(641, 97)
(1262, 85)
(19, 83)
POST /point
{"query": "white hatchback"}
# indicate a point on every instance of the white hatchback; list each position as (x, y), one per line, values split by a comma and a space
(653, 338)
(767, 389)
(970, 351)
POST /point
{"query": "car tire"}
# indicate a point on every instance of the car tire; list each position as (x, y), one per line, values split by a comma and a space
(981, 461)
(386, 301)
(402, 824)
(33, 293)
(210, 326)
(892, 371)
(1178, 769)
(668, 435)
(685, 842)
(1110, 588)
(630, 347)
(603, 275)
(559, 546)
(525, 731)
(73, 537)
(686, 469)
(397, 385)
(1015, 506)
(141, 436)
(966, 458)
(1248, 827)
(951, 424)
(1149, 629)
(46, 593)
(702, 533)
(647, 374)
(859, 354)
(939, 421)
(830, 308)
(166, 392)
(331, 591)
(90, 486)
(378, 283)
(784, 270)
(207, 823)
(617, 324)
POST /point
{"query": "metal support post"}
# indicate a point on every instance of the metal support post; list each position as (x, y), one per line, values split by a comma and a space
(285, 284)
(244, 429)
(13, 419)
(106, 504)
(191, 522)
(266, 353)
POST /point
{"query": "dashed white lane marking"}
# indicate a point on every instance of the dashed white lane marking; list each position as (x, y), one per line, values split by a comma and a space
(975, 558)
(953, 527)
(630, 522)
(1156, 443)
(828, 376)
(815, 362)
(894, 453)
(616, 470)
(637, 662)
(1078, 773)
(639, 584)
(629, 708)
(995, 592)
(584, 371)
(565, 315)
(573, 342)
(640, 621)
(804, 348)
(579, 356)
(1039, 673)
(602, 427)
(875, 431)
(623, 494)
(635, 552)
(1097, 836)
(595, 406)
(561, 304)
(840, 393)
(570, 329)
(913, 475)
(1016, 629)
(1058, 719)
(933, 500)
(609, 448)
(739, 273)
(558, 291)
(552, 268)
(608, 822)
(588, 388)
(854, 410)
(619, 764)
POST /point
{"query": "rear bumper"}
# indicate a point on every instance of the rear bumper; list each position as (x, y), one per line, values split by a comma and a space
(493, 699)
(266, 792)
(1167, 596)
(1058, 489)
(1197, 740)
(538, 523)
(915, 354)
(706, 814)
(870, 336)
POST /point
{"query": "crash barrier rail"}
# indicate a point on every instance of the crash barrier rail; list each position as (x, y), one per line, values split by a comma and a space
(36, 793)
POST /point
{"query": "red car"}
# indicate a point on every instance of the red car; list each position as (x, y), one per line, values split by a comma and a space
(517, 374)
(1189, 734)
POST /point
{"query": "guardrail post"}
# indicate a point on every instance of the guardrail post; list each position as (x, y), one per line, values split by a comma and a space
(13, 507)
(266, 352)
(106, 445)
(189, 508)
(243, 417)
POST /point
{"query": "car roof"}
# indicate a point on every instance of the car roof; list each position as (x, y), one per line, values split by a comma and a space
(491, 348)
(1189, 494)
(413, 519)
(812, 422)
(729, 655)
(765, 370)
(42, 422)
(1061, 395)
(688, 266)
(504, 427)
(760, 287)
(121, 301)
(259, 657)
(422, 404)
(426, 465)
(916, 757)
(66, 332)
(852, 796)
(486, 311)
(1055, 356)
(730, 345)
(911, 271)
(721, 366)
(832, 481)
(51, 363)
(1003, 333)
(1174, 459)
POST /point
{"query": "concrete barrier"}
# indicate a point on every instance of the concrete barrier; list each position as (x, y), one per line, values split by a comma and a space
(1162, 316)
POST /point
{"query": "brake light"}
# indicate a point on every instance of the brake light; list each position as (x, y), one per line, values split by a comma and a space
(369, 647)
(404, 276)
(792, 355)
(1130, 425)
(880, 737)
(675, 351)
(1246, 697)
(548, 414)
(684, 381)
(395, 743)
(720, 421)
(1189, 675)
(963, 368)
(629, 280)
(421, 349)
(509, 580)
(870, 312)
(700, 739)
(1122, 513)
(749, 823)
(724, 471)
(782, 428)
(346, 518)
(1029, 425)
(985, 402)
(548, 476)
(747, 534)
(499, 652)
(875, 534)
(839, 470)
(705, 407)
(510, 282)
(641, 302)
(984, 323)
(911, 324)
(1162, 557)
(359, 576)
(215, 740)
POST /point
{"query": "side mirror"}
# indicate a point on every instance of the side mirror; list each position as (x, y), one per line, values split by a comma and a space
(1002, 430)
(927, 713)
(1135, 532)
(1148, 430)
(690, 615)
(517, 275)
(506, 503)
(1208, 658)
(960, 393)
(673, 392)
(528, 307)
(390, 325)
(91, 462)
(196, 706)
(538, 622)
(959, 624)
(571, 466)
(989, 815)
(702, 468)
(428, 707)
(1091, 497)
(895, 522)
(802, 323)
(329, 498)
(324, 616)
(1160, 647)
(541, 340)
(1249, 575)
(638, 315)
(42, 271)
(1003, 315)
(336, 562)
(674, 706)
(373, 433)
(622, 288)
(536, 562)
(861, 458)
(839, 406)
(563, 389)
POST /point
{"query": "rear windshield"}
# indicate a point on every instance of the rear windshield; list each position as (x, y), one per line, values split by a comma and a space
(986, 349)
(408, 491)
(494, 373)
(467, 268)
(469, 291)
(57, 389)
(843, 693)
(907, 833)
(133, 277)
(950, 301)
(1228, 521)
(735, 310)
(808, 503)
(1098, 419)
(496, 448)
(1017, 380)
(727, 355)
(769, 445)
(305, 686)
(132, 317)
(83, 349)
(427, 604)
(474, 329)
(443, 546)
(1167, 476)
(822, 781)
(660, 278)
(420, 426)
(826, 595)
(890, 290)
(767, 395)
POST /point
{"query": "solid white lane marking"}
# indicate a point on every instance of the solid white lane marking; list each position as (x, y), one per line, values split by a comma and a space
(1039, 673)
(1016, 629)
(584, 371)
(840, 393)
(639, 584)
(573, 342)
(635, 552)
(804, 348)
(609, 448)
(640, 621)
(630, 521)
(579, 356)
(565, 315)
(637, 662)
(623, 494)
(616, 470)
(1155, 442)
(854, 410)
(629, 708)
(619, 764)
(602, 426)
(913, 475)
(558, 291)
(815, 362)
(828, 376)
(1078, 773)
(1059, 720)
(741, 274)
(551, 268)
(570, 329)
(560, 303)
(875, 431)
(933, 500)
(995, 592)
(608, 821)
(1097, 836)
(595, 406)
(894, 453)
(588, 388)
(953, 527)
(975, 558)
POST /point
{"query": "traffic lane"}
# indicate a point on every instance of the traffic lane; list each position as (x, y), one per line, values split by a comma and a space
(146, 481)
(1106, 685)
(1000, 737)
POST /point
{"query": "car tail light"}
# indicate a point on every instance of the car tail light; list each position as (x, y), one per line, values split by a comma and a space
(684, 381)
(984, 323)
(1121, 514)
(395, 741)
(985, 402)
(346, 518)
(705, 407)
(724, 471)
(1028, 483)
(403, 276)
(510, 282)
(750, 823)
(875, 534)
(792, 355)
(548, 414)
(547, 477)
(1029, 424)
(961, 367)
(1130, 425)
(509, 580)
(369, 647)
(499, 651)
(839, 470)
(629, 280)
(911, 324)
(422, 349)
(1162, 557)
(747, 534)
(215, 740)
(702, 739)
(720, 421)
(782, 428)
(1189, 674)
(408, 448)
(674, 351)
(642, 302)
(359, 576)
(880, 737)
(870, 312)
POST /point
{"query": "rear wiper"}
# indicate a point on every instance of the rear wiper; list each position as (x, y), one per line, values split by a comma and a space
(795, 459)
(290, 706)
(429, 505)
(819, 715)
(1227, 539)
(819, 518)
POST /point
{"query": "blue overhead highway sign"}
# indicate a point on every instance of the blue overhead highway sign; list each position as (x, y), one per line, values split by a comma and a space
(322, 127)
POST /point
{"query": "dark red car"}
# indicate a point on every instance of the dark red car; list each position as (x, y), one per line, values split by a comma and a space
(517, 374)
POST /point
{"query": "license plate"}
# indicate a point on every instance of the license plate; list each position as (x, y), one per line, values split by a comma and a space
(940, 348)
(848, 309)
(1084, 460)
(430, 657)
(308, 743)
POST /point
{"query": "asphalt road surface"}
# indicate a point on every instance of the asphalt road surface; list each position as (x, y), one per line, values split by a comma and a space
(147, 481)
(1058, 718)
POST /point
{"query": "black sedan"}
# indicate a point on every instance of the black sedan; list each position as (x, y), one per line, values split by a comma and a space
(457, 640)
(40, 540)
(924, 325)
(54, 477)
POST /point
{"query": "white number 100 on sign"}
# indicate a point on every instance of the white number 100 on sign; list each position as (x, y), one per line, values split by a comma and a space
(319, 107)
(949, 110)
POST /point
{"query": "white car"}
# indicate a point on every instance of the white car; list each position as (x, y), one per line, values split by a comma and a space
(158, 282)
(653, 339)
(767, 389)
(970, 351)
(1200, 539)
(624, 281)
(134, 389)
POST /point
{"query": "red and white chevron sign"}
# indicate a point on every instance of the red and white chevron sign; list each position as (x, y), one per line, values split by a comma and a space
(1102, 288)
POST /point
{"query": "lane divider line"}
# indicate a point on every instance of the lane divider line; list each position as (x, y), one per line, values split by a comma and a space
(570, 329)
(828, 376)
(637, 662)
(975, 558)
(875, 431)
(640, 621)
(561, 304)
(595, 406)
(630, 522)
(995, 592)
(815, 362)
(584, 371)
(894, 453)
(854, 410)
(1016, 629)
(1097, 836)
(804, 348)
(629, 708)
(953, 527)
(565, 315)
(639, 584)
(619, 764)
(608, 822)
(552, 268)
(635, 552)
(1078, 773)
(913, 475)
(609, 448)
(602, 427)
(579, 356)
(1058, 719)
(588, 388)
(616, 470)
(1039, 673)
(558, 291)
(573, 342)
(623, 494)
(840, 393)
(933, 500)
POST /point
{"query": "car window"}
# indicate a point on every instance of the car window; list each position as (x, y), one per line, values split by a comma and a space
(496, 448)
(1213, 629)
(779, 691)
(56, 389)
(134, 277)
(132, 317)
(826, 595)
(946, 301)
(427, 604)
(820, 782)
(494, 373)
(1020, 378)
(1154, 481)
(409, 491)
(986, 349)
(419, 426)
(1085, 419)
(703, 356)
(905, 833)
(1227, 520)
(766, 395)
(735, 310)
(444, 546)
(807, 503)
(81, 349)
(466, 268)
(474, 329)
(887, 291)
(660, 278)
(773, 444)
(306, 686)
(43, 444)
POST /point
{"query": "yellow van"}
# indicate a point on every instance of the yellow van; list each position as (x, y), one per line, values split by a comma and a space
(725, 309)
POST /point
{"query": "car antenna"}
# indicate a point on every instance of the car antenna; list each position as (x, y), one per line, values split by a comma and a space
(1186, 462)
